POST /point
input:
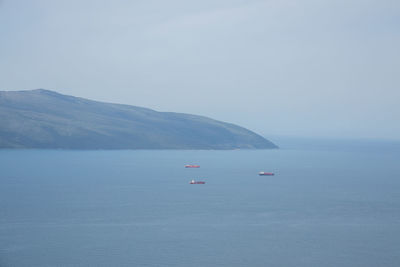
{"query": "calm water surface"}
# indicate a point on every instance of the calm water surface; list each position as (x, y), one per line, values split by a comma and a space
(137, 208)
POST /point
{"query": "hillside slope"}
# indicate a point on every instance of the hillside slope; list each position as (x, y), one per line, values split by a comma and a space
(46, 119)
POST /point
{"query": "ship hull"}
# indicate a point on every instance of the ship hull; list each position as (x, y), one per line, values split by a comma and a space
(266, 174)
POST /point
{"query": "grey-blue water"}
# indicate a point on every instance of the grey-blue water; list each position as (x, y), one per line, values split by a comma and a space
(324, 207)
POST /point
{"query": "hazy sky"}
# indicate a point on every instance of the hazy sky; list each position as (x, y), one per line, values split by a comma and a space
(327, 68)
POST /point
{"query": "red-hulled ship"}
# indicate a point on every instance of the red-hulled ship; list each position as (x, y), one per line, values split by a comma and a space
(192, 166)
(196, 182)
(266, 173)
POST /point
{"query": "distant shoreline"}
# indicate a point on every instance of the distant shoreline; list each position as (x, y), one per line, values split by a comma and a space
(45, 119)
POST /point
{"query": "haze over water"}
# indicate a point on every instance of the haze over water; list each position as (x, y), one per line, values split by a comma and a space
(324, 207)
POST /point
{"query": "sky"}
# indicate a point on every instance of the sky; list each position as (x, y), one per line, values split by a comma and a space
(312, 68)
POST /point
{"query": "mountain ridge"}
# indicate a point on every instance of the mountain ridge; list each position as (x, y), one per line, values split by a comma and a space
(43, 118)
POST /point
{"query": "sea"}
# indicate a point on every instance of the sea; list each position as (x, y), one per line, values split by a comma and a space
(331, 204)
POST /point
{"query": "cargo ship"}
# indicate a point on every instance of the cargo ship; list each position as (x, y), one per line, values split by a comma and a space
(266, 173)
(196, 182)
(192, 166)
